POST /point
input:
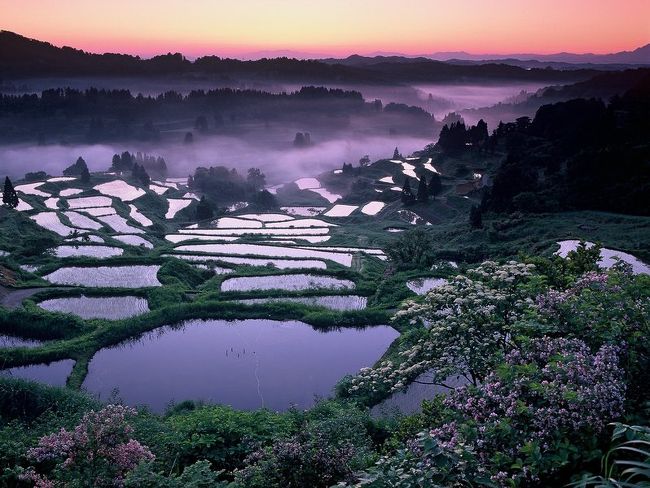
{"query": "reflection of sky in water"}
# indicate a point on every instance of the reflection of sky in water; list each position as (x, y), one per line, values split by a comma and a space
(54, 374)
(247, 364)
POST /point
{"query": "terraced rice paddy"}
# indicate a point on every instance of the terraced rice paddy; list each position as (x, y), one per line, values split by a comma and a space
(341, 211)
(257, 231)
(81, 221)
(607, 256)
(138, 276)
(176, 238)
(372, 208)
(299, 223)
(52, 203)
(120, 189)
(331, 302)
(235, 223)
(31, 189)
(133, 240)
(175, 206)
(68, 192)
(326, 194)
(119, 224)
(23, 206)
(51, 221)
(87, 251)
(110, 308)
(158, 190)
(292, 282)
(268, 251)
(99, 211)
(87, 202)
(138, 216)
(424, 285)
(277, 263)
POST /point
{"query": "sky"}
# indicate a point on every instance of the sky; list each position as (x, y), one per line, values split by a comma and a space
(332, 27)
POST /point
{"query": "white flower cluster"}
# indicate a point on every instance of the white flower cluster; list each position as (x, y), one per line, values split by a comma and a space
(469, 320)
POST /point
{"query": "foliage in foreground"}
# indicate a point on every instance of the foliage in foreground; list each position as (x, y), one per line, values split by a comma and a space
(551, 351)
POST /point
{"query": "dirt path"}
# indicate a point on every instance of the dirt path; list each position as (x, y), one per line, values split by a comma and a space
(12, 298)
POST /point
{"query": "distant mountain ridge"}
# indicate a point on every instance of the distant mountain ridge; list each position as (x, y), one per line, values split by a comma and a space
(24, 57)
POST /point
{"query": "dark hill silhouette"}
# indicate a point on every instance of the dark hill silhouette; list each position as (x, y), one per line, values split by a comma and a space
(24, 57)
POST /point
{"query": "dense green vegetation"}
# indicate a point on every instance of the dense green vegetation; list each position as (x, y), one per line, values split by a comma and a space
(550, 350)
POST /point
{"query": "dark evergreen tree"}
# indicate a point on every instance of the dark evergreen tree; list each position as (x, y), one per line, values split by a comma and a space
(9, 195)
(76, 168)
(396, 154)
(423, 190)
(364, 161)
(126, 161)
(435, 185)
(256, 179)
(116, 164)
(201, 123)
(407, 195)
(204, 209)
(85, 175)
(475, 217)
(264, 200)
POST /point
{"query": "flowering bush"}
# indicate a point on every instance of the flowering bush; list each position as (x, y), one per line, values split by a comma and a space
(98, 452)
(469, 321)
(519, 419)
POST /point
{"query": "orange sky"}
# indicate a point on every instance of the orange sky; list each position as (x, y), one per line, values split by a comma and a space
(337, 27)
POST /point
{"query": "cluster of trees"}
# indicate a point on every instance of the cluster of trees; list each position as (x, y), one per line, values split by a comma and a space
(302, 139)
(78, 168)
(128, 161)
(580, 154)
(456, 136)
(425, 190)
(224, 186)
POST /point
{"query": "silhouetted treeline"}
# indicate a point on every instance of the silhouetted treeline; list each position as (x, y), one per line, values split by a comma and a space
(98, 114)
(579, 154)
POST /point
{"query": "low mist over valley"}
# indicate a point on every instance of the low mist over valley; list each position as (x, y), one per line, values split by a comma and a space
(324, 244)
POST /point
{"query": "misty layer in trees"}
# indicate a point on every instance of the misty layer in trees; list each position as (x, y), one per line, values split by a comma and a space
(147, 163)
(580, 154)
(118, 114)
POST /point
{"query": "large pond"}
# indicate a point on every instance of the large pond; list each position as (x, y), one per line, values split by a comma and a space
(111, 308)
(247, 364)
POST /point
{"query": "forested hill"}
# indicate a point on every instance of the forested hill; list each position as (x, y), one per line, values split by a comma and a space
(24, 57)
(579, 154)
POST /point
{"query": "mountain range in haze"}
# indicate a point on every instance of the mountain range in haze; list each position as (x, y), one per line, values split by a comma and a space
(639, 56)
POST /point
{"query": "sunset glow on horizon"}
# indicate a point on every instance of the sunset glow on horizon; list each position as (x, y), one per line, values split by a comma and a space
(334, 27)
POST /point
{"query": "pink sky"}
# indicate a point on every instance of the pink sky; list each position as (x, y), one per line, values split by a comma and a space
(332, 27)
